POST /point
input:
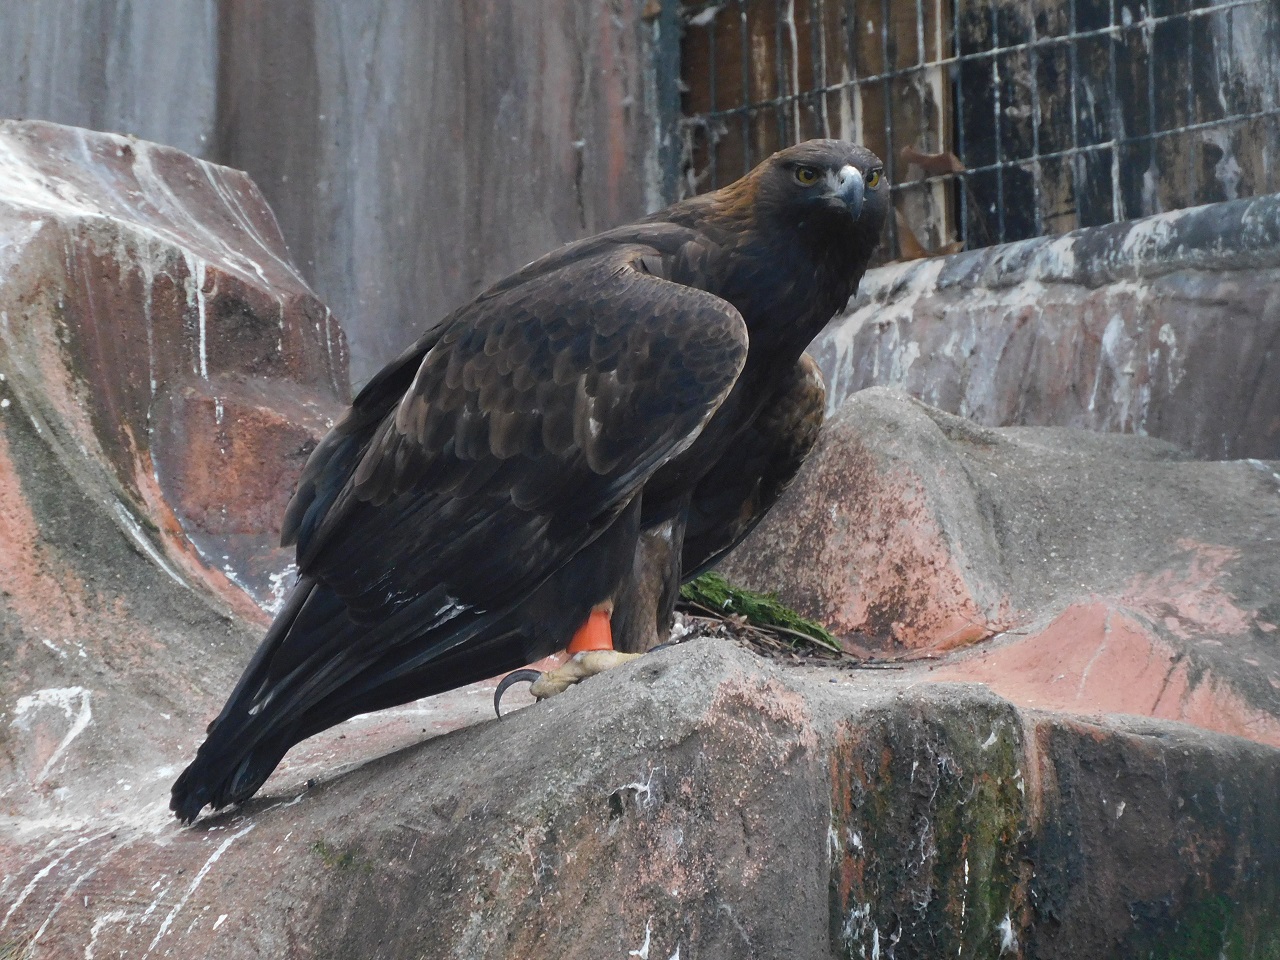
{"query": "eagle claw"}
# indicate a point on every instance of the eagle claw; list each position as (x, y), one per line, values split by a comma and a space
(578, 667)
(527, 675)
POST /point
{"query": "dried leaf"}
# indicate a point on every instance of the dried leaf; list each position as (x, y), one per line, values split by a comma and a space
(909, 247)
(933, 164)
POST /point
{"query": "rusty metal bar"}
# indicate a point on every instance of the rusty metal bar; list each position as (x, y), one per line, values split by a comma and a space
(817, 38)
(1116, 122)
(1202, 125)
(713, 140)
(889, 148)
(1192, 178)
(920, 54)
(1037, 187)
(999, 122)
(852, 89)
(1074, 56)
(1151, 120)
(1097, 147)
(745, 38)
(793, 73)
(960, 147)
(783, 97)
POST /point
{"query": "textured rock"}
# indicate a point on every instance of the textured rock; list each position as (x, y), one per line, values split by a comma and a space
(1066, 569)
(966, 827)
(163, 374)
(704, 803)
(1160, 326)
(153, 324)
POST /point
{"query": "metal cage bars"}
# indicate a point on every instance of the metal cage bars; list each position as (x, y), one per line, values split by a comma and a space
(790, 98)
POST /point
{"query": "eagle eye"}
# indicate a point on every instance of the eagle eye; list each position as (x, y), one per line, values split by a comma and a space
(873, 178)
(806, 176)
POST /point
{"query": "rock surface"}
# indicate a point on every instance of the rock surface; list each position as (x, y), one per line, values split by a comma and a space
(163, 375)
(703, 803)
(1161, 326)
(152, 324)
(1066, 569)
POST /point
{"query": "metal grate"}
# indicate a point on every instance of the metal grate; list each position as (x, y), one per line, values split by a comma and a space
(996, 120)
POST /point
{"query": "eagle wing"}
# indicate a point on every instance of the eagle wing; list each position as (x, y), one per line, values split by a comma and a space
(464, 476)
(530, 419)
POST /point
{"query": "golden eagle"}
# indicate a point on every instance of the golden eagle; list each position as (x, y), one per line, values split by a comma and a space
(481, 501)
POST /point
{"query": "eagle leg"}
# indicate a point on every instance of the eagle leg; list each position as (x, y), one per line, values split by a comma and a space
(595, 634)
(577, 668)
(592, 652)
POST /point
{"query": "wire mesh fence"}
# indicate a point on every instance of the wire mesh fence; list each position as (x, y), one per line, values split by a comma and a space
(996, 120)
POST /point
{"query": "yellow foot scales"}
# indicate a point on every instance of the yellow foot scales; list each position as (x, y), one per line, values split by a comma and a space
(575, 669)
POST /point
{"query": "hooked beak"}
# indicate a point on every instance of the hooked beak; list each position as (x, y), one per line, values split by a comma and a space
(851, 189)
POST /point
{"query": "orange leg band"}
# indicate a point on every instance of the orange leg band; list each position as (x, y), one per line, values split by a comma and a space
(595, 634)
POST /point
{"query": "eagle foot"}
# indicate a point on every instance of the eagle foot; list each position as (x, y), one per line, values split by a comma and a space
(574, 670)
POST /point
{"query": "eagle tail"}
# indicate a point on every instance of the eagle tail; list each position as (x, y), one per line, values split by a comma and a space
(224, 776)
(317, 666)
(251, 735)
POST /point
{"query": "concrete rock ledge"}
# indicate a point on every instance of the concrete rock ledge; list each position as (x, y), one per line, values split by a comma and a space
(1161, 326)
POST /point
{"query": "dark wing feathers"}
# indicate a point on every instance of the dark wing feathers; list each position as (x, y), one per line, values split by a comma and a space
(331, 463)
(478, 463)
(533, 417)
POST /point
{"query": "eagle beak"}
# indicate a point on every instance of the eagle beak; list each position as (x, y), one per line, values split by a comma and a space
(851, 189)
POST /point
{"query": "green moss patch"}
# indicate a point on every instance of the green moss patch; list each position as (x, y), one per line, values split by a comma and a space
(336, 859)
(715, 595)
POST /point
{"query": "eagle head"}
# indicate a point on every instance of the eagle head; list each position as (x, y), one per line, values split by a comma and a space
(825, 190)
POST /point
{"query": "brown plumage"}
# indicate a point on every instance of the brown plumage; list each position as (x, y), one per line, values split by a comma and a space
(723, 508)
(487, 488)
(744, 483)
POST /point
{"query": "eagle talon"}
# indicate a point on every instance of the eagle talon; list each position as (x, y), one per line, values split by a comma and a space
(575, 669)
(526, 675)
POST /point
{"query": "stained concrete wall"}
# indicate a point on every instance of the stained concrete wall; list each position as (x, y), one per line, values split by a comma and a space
(413, 152)
(146, 67)
(1166, 326)
(1159, 72)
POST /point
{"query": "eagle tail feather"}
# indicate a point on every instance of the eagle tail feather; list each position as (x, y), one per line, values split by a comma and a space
(317, 667)
(247, 740)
